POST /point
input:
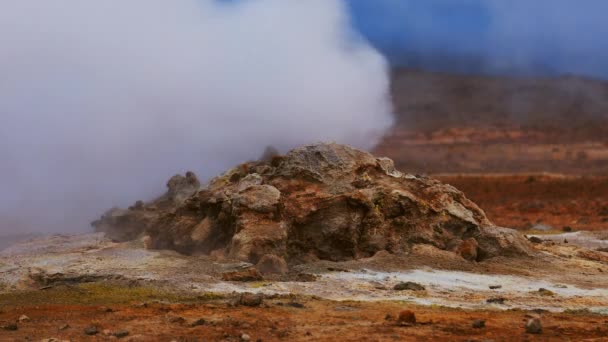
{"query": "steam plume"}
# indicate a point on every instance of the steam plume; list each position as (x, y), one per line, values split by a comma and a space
(102, 101)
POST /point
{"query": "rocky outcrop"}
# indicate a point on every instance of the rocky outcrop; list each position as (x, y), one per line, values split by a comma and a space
(323, 201)
(128, 224)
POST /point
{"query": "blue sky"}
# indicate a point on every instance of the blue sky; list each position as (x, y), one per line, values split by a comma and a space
(489, 36)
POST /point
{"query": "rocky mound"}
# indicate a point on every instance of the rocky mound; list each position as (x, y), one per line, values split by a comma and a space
(323, 201)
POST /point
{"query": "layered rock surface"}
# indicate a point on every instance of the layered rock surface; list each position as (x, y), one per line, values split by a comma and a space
(323, 201)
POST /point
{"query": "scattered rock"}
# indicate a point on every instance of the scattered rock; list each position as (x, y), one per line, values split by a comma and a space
(198, 322)
(545, 292)
(409, 286)
(250, 299)
(602, 249)
(24, 319)
(535, 239)
(495, 287)
(92, 330)
(272, 264)
(479, 324)
(245, 337)
(64, 327)
(10, 327)
(105, 309)
(247, 275)
(406, 318)
(567, 229)
(496, 300)
(120, 333)
(533, 326)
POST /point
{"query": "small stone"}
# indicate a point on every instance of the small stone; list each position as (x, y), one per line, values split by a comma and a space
(198, 322)
(545, 292)
(10, 327)
(245, 337)
(535, 239)
(496, 300)
(495, 287)
(64, 327)
(120, 334)
(250, 299)
(406, 317)
(479, 324)
(533, 326)
(107, 332)
(24, 319)
(409, 286)
(105, 309)
(92, 330)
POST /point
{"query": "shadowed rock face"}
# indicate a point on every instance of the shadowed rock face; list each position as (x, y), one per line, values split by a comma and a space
(323, 201)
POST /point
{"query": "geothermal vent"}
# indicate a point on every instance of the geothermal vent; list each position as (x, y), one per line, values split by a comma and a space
(323, 201)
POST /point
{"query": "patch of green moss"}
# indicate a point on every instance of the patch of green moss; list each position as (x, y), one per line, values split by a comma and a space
(100, 293)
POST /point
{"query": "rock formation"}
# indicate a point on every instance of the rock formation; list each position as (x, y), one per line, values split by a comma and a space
(323, 201)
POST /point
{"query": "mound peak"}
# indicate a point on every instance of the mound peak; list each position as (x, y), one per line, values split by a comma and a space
(323, 201)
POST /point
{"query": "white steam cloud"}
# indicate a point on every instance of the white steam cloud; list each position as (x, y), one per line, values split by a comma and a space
(102, 101)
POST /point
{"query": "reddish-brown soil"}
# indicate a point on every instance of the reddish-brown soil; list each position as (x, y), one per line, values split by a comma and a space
(316, 321)
(522, 201)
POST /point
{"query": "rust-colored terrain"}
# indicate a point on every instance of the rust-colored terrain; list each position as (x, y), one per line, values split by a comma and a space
(285, 319)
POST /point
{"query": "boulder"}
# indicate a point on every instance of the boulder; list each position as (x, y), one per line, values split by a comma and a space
(317, 202)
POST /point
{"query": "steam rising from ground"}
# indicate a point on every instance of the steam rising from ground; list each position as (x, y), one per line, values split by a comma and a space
(102, 101)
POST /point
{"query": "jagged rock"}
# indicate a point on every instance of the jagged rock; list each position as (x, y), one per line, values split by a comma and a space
(125, 225)
(322, 201)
